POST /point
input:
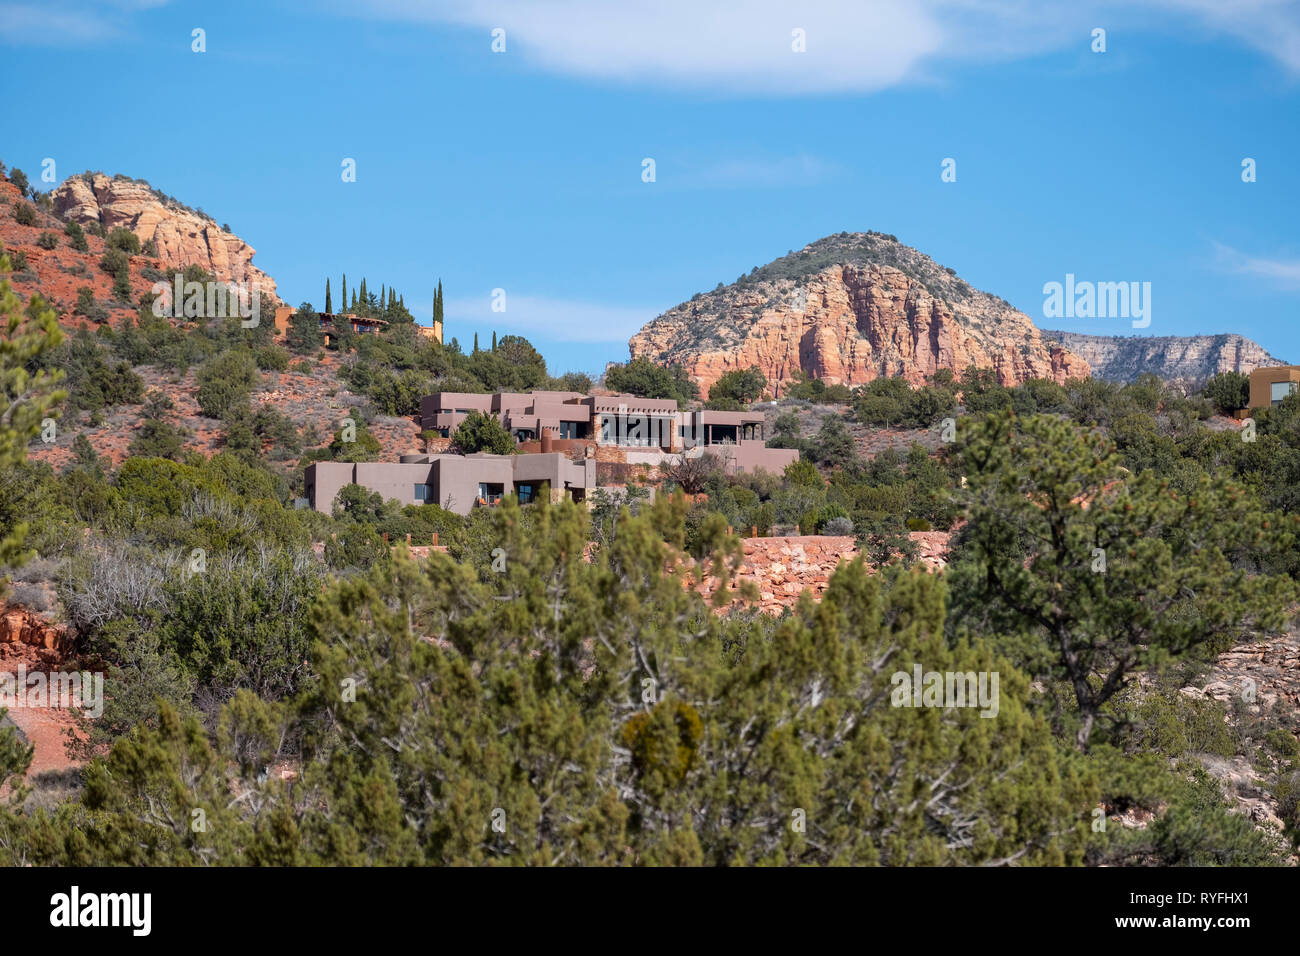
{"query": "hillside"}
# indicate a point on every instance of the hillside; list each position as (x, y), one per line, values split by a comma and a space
(847, 309)
(313, 399)
(1189, 358)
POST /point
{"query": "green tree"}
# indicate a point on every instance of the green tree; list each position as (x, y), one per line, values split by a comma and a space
(738, 388)
(1229, 391)
(225, 382)
(480, 432)
(26, 398)
(1099, 574)
(645, 379)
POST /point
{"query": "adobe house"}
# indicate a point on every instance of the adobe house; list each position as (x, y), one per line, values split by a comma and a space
(361, 324)
(1268, 386)
(737, 438)
(643, 430)
(456, 482)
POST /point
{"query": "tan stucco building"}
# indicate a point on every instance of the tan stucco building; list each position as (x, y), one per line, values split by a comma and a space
(646, 429)
(1268, 386)
(455, 482)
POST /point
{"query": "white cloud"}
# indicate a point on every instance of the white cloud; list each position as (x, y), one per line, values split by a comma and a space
(744, 46)
(563, 320)
(1285, 272)
(53, 23)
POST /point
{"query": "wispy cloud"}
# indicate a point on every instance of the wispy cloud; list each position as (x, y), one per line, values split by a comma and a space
(1283, 271)
(563, 320)
(851, 46)
(56, 23)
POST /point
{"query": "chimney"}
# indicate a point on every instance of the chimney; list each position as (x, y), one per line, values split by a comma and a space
(547, 439)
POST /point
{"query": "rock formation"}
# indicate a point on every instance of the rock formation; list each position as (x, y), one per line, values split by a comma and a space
(1189, 358)
(847, 309)
(183, 237)
(782, 568)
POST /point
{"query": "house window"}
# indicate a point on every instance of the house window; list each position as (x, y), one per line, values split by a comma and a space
(1280, 390)
(572, 429)
(423, 493)
(489, 493)
(526, 491)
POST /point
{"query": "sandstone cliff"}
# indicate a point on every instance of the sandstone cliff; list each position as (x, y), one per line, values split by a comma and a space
(847, 309)
(183, 237)
(1190, 358)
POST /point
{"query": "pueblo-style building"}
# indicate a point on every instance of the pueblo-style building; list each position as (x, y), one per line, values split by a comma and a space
(645, 429)
(561, 437)
(456, 482)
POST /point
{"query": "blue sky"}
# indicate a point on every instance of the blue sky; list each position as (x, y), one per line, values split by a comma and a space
(522, 170)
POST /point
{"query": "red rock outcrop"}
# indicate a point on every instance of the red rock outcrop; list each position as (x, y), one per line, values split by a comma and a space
(21, 629)
(782, 568)
(183, 236)
(848, 309)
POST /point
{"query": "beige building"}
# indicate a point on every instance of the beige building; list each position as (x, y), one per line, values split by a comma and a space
(646, 429)
(456, 482)
(1268, 386)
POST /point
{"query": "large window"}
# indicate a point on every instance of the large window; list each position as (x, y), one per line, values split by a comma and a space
(1281, 390)
(573, 429)
(423, 493)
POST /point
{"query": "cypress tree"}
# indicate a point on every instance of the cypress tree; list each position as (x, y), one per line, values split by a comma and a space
(343, 305)
(328, 305)
(494, 340)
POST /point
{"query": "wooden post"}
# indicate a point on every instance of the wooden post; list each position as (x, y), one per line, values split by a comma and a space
(753, 531)
(435, 539)
(408, 539)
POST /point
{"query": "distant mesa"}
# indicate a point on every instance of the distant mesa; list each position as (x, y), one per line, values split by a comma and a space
(1187, 358)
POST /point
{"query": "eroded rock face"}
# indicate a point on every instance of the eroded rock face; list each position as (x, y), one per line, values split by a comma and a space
(848, 309)
(25, 633)
(1189, 358)
(183, 237)
(782, 568)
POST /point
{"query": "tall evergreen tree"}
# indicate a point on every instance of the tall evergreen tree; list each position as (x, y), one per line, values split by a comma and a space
(329, 306)
(494, 340)
(343, 303)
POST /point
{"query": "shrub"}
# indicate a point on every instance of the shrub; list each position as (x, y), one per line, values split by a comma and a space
(47, 240)
(24, 214)
(77, 236)
(113, 261)
(272, 358)
(480, 432)
(125, 240)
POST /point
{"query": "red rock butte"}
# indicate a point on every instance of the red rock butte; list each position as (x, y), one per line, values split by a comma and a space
(848, 309)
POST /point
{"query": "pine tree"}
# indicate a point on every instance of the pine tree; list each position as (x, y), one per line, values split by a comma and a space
(1102, 574)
